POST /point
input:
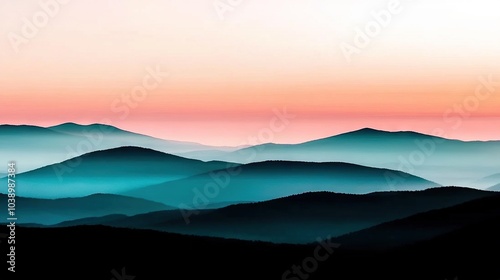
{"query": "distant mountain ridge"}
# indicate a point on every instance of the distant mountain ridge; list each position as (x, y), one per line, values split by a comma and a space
(446, 161)
(65, 141)
(110, 171)
(274, 179)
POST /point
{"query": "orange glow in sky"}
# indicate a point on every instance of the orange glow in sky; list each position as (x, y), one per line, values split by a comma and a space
(226, 76)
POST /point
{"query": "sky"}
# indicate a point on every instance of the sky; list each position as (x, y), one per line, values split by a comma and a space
(229, 72)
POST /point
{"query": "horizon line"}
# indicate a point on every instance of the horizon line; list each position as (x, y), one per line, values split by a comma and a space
(372, 129)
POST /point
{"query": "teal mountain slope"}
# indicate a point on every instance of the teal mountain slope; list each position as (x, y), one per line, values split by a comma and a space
(33, 147)
(487, 181)
(274, 179)
(108, 171)
(296, 219)
(495, 188)
(446, 161)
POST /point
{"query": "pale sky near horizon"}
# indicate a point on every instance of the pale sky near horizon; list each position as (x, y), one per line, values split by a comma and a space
(420, 72)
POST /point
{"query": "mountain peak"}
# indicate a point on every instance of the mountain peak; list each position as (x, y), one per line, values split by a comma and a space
(367, 131)
(75, 127)
(128, 151)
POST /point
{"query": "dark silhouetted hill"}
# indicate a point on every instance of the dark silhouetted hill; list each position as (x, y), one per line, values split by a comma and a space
(52, 211)
(465, 254)
(424, 226)
(296, 219)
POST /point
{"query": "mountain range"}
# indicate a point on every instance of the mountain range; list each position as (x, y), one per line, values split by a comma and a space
(110, 171)
(461, 253)
(65, 141)
(441, 160)
(295, 219)
(126, 199)
(274, 179)
(445, 161)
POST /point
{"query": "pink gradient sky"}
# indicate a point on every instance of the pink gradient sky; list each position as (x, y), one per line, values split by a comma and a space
(227, 77)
